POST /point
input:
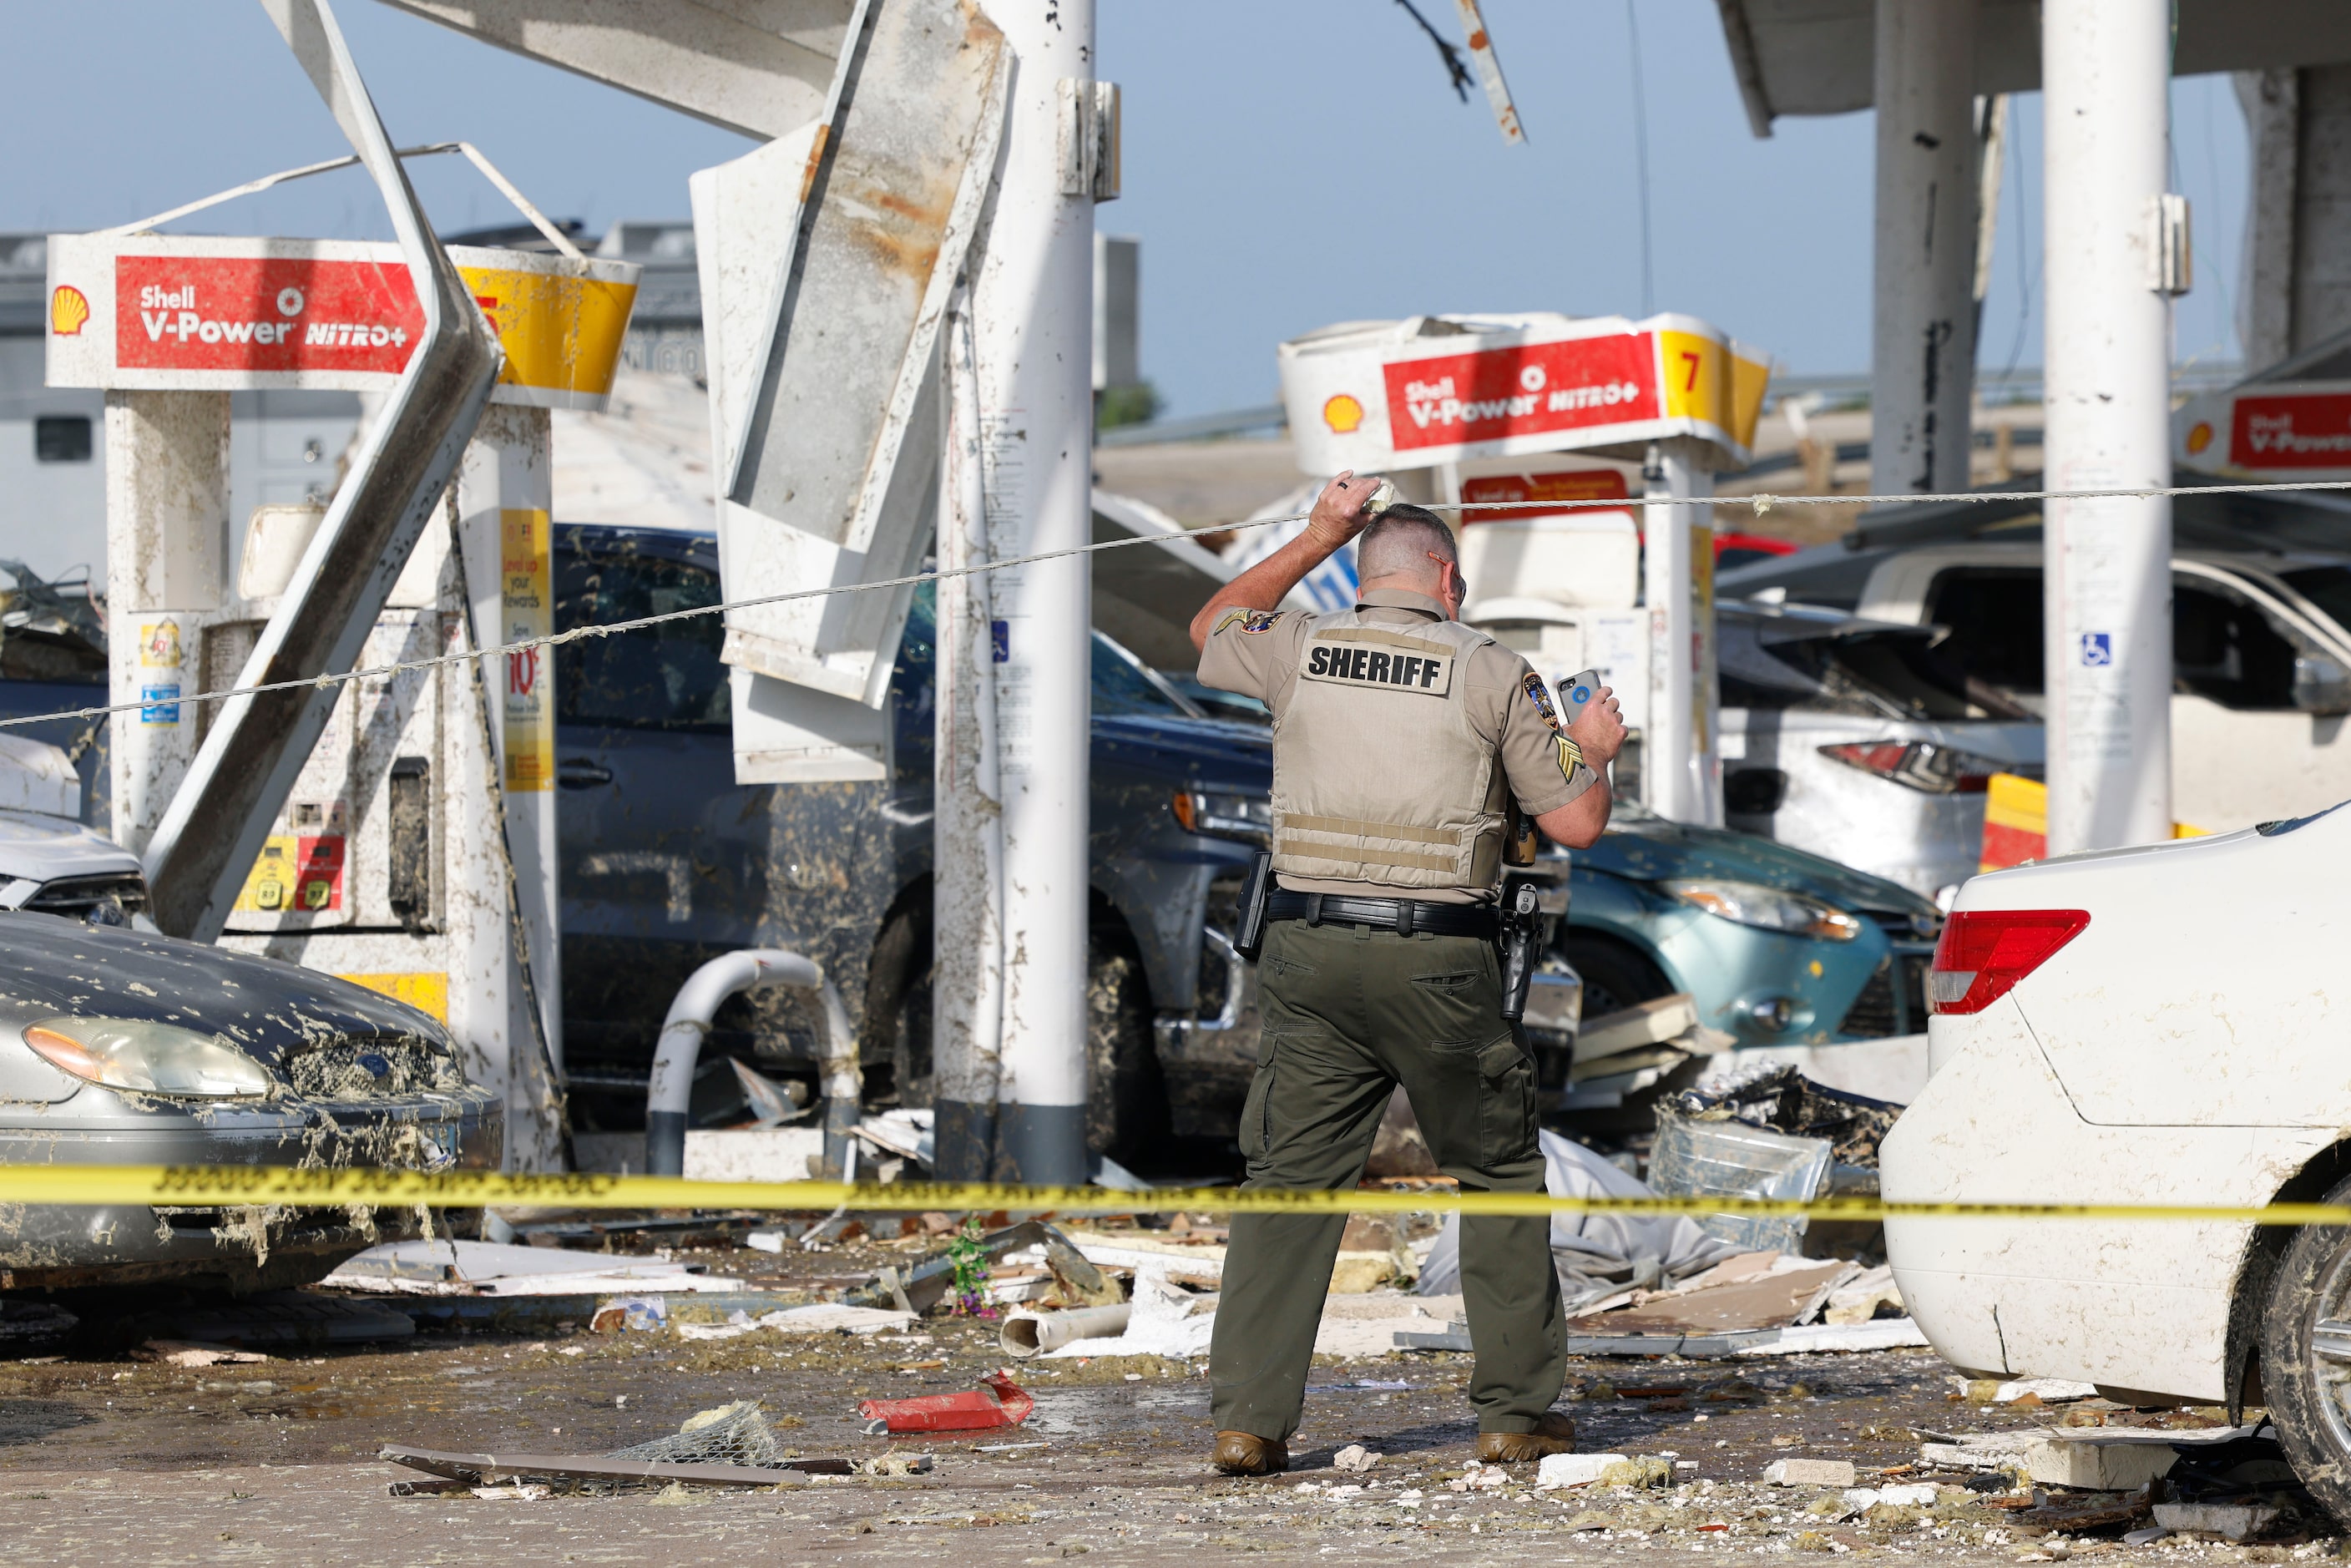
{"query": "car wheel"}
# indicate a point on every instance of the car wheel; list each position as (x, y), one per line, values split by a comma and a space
(2306, 1358)
(898, 1007)
(1614, 976)
(1126, 1097)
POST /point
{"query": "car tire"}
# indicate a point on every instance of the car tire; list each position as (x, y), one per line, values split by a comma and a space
(2305, 1367)
(898, 1007)
(1126, 1097)
(1616, 977)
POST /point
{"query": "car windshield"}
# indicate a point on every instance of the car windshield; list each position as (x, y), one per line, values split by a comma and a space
(660, 677)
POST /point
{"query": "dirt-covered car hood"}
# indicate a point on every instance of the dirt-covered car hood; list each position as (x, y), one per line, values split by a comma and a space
(51, 967)
(1643, 848)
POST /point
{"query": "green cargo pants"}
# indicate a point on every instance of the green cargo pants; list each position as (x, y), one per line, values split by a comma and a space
(1349, 1013)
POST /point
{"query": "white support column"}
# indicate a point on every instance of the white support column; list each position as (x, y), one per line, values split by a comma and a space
(967, 812)
(167, 558)
(504, 493)
(2104, 76)
(1923, 341)
(1681, 772)
(1032, 313)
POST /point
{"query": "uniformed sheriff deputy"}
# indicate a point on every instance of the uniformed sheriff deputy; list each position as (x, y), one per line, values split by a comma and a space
(1400, 736)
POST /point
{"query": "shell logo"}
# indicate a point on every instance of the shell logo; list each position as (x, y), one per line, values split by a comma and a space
(68, 308)
(2200, 437)
(1344, 414)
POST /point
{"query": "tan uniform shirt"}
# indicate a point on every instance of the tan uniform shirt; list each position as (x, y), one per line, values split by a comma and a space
(1256, 652)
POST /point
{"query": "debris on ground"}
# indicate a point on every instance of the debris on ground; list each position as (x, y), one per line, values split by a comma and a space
(1718, 1155)
(1031, 1333)
(2044, 1390)
(1556, 1470)
(1674, 1286)
(817, 1318)
(183, 1352)
(1600, 1256)
(727, 1446)
(1626, 1062)
(2233, 1522)
(1807, 1453)
(1163, 1319)
(1777, 1097)
(1809, 1473)
(1480, 1477)
(640, 1314)
(926, 1283)
(1873, 1294)
(1752, 1290)
(969, 1412)
(447, 1267)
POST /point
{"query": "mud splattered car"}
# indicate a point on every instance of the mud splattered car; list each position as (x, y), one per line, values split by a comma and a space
(118, 1047)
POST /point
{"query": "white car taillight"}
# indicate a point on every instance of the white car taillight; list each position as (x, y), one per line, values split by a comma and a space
(1985, 952)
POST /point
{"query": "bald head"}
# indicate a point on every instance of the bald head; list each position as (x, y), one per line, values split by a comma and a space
(1399, 545)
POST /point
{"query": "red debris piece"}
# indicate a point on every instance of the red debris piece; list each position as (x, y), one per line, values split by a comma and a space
(971, 1412)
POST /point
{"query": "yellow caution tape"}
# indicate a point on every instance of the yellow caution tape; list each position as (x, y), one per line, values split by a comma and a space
(200, 1185)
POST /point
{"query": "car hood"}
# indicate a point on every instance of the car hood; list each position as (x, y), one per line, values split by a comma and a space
(51, 967)
(1651, 849)
(41, 847)
(1210, 754)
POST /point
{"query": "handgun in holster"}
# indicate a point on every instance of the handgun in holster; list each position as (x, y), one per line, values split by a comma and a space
(1520, 939)
(1248, 927)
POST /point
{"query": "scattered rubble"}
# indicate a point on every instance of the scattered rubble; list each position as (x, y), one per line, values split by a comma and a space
(1844, 1454)
(1809, 1473)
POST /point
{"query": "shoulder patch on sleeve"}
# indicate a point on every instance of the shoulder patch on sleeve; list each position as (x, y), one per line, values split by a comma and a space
(1540, 695)
(1250, 622)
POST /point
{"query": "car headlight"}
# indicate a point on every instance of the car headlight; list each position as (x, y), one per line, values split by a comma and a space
(1767, 908)
(1247, 817)
(147, 1058)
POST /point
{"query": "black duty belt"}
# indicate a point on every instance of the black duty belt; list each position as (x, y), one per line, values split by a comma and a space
(1404, 917)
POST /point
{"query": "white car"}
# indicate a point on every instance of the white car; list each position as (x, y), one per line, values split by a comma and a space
(2146, 1026)
(1862, 740)
(2260, 632)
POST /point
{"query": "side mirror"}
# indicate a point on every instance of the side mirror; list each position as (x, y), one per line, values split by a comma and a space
(2321, 685)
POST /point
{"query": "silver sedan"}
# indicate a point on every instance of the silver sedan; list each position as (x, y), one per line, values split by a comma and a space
(119, 1046)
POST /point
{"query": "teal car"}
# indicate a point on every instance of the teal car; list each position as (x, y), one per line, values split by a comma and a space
(1778, 947)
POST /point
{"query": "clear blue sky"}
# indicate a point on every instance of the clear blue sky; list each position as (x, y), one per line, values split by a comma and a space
(1286, 165)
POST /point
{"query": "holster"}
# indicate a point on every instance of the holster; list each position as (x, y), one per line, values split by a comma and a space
(1521, 946)
(1249, 925)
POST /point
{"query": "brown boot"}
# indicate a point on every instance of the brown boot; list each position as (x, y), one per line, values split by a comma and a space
(1555, 1434)
(1247, 1454)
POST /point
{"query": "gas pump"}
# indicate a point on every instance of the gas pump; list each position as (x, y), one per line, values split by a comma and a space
(1450, 399)
(413, 851)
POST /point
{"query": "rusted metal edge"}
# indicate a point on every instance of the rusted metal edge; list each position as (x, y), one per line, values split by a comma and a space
(484, 1469)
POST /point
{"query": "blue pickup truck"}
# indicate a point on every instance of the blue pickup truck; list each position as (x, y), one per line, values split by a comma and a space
(667, 862)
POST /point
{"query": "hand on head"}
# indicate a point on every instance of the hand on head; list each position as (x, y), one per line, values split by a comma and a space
(1344, 508)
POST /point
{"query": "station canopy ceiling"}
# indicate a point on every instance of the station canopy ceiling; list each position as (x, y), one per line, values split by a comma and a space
(1813, 57)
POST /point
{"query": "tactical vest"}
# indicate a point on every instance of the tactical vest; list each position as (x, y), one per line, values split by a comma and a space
(1377, 774)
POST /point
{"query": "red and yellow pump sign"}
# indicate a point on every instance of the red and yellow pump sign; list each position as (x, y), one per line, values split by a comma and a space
(1402, 395)
(200, 313)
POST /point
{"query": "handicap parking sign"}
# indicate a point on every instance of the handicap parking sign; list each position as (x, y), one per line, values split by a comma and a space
(2097, 648)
